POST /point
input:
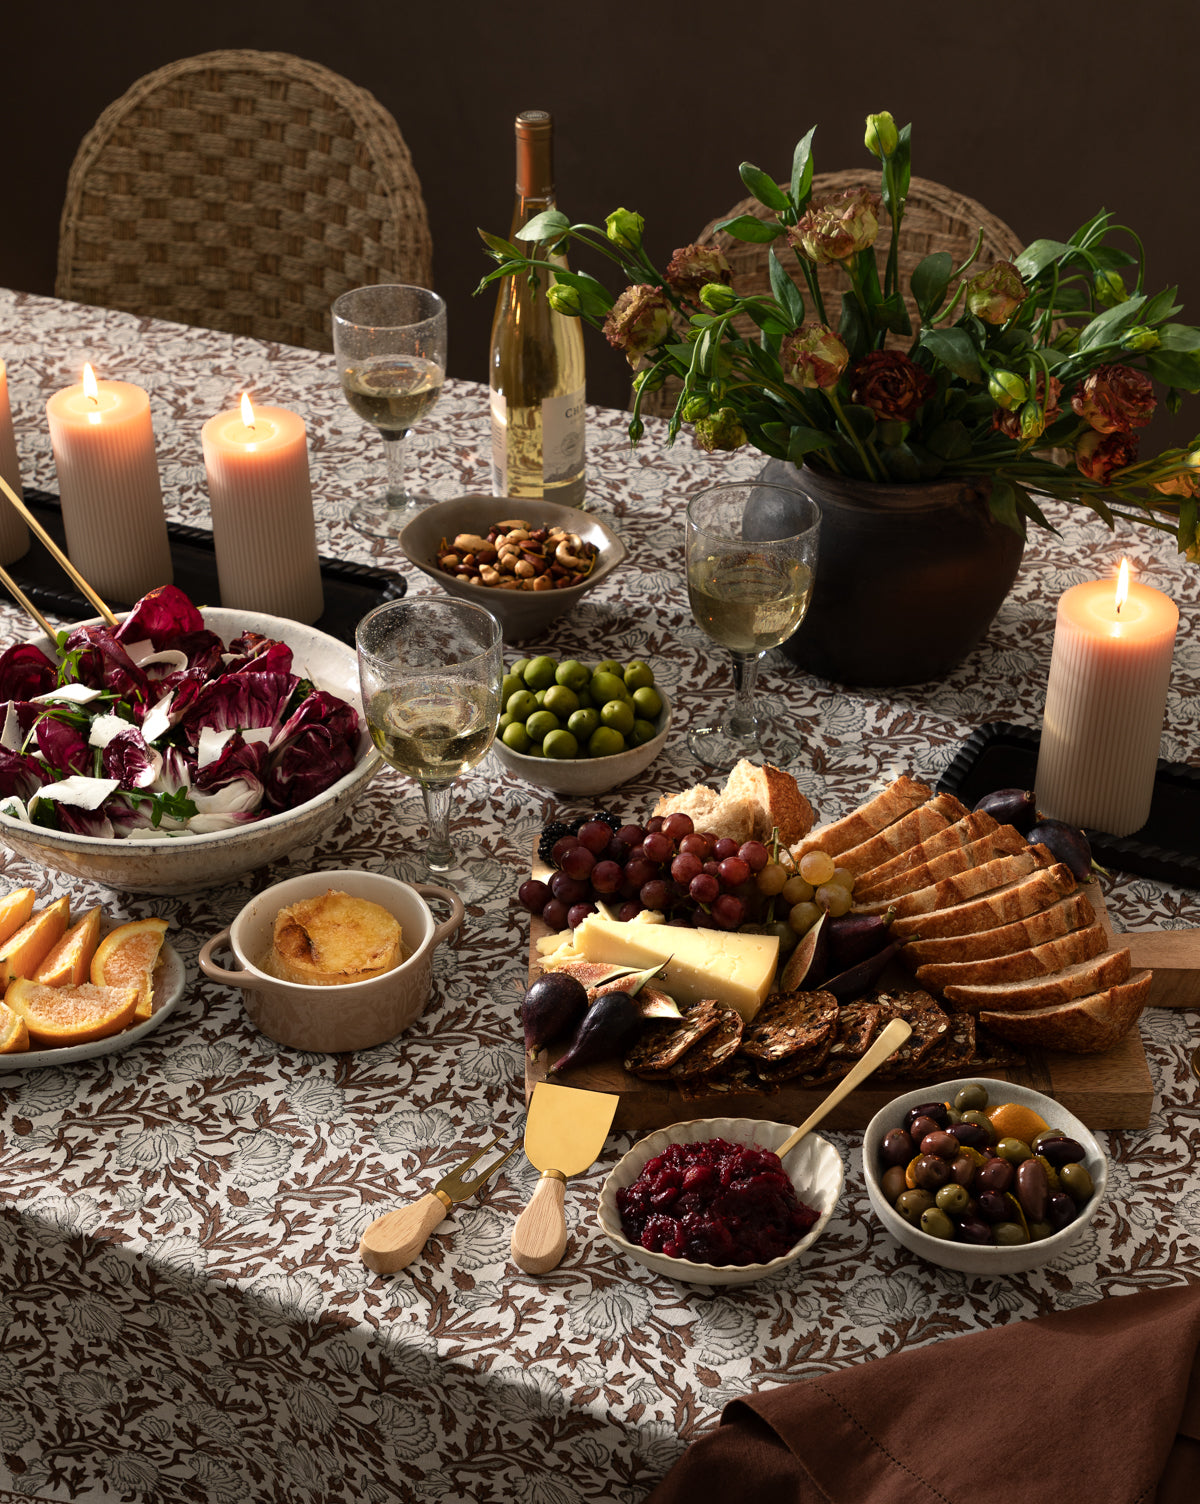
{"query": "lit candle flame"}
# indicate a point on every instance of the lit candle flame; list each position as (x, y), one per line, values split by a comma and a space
(1122, 585)
(90, 389)
(247, 410)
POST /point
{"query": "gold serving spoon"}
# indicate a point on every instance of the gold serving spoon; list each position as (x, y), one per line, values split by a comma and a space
(890, 1040)
(57, 554)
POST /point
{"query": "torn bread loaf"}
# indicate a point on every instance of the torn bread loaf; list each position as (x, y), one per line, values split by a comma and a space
(754, 802)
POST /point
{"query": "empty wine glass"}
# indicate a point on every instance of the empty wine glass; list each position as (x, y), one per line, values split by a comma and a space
(430, 671)
(751, 556)
(390, 343)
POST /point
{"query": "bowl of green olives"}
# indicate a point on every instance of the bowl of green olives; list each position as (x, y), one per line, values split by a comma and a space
(983, 1176)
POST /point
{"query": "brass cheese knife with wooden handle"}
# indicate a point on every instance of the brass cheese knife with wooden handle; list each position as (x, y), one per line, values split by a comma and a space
(564, 1132)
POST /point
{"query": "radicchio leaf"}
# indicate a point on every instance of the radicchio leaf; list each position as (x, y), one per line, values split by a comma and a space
(127, 757)
(63, 746)
(19, 775)
(253, 653)
(25, 671)
(237, 701)
(311, 761)
(97, 659)
(163, 616)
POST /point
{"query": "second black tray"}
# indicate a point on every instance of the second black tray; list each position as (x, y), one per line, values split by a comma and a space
(350, 590)
(1003, 756)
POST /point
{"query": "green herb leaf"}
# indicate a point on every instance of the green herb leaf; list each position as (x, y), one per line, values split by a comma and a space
(802, 171)
(1039, 255)
(763, 186)
(747, 227)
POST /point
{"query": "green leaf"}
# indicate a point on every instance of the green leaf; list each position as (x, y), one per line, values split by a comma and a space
(787, 294)
(763, 186)
(950, 440)
(1185, 533)
(954, 348)
(502, 249)
(852, 328)
(1178, 336)
(901, 464)
(595, 298)
(747, 227)
(930, 278)
(802, 441)
(1029, 508)
(1040, 254)
(1002, 503)
(860, 419)
(892, 313)
(1106, 326)
(550, 224)
(802, 170)
(1179, 368)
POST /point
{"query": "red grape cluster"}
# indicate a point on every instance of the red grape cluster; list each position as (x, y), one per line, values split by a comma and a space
(693, 877)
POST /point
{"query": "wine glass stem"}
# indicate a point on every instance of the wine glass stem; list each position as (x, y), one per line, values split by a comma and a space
(742, 721)
(439, 854)
(394, 445)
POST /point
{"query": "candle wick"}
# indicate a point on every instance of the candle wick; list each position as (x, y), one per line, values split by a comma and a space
(94, 398)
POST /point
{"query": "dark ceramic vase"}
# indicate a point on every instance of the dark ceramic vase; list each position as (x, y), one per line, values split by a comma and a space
(908, 580)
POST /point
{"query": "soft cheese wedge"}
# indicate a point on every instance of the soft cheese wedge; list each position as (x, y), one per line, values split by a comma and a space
(735, 969)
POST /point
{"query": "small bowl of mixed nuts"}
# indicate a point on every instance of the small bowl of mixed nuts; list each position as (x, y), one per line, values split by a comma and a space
(527, 561)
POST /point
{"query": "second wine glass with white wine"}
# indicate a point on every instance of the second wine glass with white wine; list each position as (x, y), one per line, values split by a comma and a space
(390, 343)
(751, 554)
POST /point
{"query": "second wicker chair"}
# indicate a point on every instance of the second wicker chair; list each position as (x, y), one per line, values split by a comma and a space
(242, 191)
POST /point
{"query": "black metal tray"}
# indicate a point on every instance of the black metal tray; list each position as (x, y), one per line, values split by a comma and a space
(351, 590)
(1003, 756)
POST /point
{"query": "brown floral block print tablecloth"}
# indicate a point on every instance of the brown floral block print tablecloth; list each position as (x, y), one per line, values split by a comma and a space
(182, 1312)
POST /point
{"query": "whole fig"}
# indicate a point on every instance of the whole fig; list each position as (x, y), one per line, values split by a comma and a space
(606, 1028)
(1016, 807)
(1065, 843)
(551, 1008)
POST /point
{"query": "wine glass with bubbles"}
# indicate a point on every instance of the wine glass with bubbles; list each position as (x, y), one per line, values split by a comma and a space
(751, 551)
(390, 344)
(431, 670)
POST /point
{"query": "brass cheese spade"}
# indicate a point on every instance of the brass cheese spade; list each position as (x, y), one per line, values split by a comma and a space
(564, 1132)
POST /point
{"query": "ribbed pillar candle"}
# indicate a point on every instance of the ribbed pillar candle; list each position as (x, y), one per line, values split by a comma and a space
(108, 484)
(264, 532)
(14, 535)
(1105, 701)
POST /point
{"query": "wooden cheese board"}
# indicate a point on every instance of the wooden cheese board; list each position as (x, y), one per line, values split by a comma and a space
(1112, 1090)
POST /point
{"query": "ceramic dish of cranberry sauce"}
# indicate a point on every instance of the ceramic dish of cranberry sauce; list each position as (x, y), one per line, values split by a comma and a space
(982, 1176)
(713, 1203)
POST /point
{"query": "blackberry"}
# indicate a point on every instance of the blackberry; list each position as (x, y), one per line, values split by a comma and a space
(550, 834)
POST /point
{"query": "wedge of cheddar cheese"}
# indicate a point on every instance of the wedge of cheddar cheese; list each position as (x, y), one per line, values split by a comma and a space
(735, 969)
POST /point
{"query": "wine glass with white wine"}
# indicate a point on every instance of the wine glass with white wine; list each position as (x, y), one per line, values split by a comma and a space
(390, 344)
(430, 671)
(751, 556)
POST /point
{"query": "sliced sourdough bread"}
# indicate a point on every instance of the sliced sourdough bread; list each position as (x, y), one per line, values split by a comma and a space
(1003, 841)
(1056, 919)
(962, 885)
(905, 834)
(1019, 965)
(1015, 899)
(1106, 969)
(1083, 1025)
(962, 832)
(868, 820)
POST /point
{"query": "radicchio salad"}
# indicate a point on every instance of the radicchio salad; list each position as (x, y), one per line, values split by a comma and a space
(156, 727)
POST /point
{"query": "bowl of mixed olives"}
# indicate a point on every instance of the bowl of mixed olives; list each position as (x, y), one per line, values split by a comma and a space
(983, 1176)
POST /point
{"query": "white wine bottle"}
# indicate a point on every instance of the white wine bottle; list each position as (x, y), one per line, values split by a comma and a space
(536, 375)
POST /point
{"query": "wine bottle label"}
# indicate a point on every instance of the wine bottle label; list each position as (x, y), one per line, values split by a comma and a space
(537, 447)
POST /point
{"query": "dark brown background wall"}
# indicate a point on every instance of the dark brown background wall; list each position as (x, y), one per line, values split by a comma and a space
(1045, 112)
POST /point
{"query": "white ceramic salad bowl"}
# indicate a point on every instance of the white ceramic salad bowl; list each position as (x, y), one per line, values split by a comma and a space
(186, 863)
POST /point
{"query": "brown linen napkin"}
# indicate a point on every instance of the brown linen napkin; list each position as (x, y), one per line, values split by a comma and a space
(1099, 1404)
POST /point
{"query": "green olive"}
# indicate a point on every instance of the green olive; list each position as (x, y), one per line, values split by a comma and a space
(1039, 1230)
(937, 1224)
(912, 1204)
(953, 1198)
(1014, 1150)
(1009, 1234)
(1076, 1182)
(953, 1115)
(972, 1098)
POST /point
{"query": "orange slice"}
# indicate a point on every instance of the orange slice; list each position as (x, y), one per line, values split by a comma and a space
(14, 1032)
(1012, 1120)
(69, 961)
(15, 909)
(23, 952)
(126, 958)
(71, 1015)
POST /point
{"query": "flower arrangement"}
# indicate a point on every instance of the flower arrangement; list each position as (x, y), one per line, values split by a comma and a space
(1036, 374)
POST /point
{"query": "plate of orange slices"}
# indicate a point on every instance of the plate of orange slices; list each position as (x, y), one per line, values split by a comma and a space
(71, 992)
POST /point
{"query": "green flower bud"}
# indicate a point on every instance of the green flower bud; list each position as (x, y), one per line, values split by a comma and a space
(722, 431)
(564, 299)
(649, 380)
(1007, 389)
(717, 298)
(882, 137)
(1033, 421)
(695, 408)
(624, 228)
(1109, 289)
(1141, 337)
(636, 429)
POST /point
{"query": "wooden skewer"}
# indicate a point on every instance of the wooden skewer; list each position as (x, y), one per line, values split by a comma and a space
(25, 603)
(57, 553)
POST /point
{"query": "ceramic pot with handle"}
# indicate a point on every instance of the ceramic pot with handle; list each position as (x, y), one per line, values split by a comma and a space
(354, 1016)
(909, 578)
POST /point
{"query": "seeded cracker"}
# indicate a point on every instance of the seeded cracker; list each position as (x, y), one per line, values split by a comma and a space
(929, 1025)
(713, 1050)
(735, 1078)
(661, 1044)
(791, 1023)
(953, 1055)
